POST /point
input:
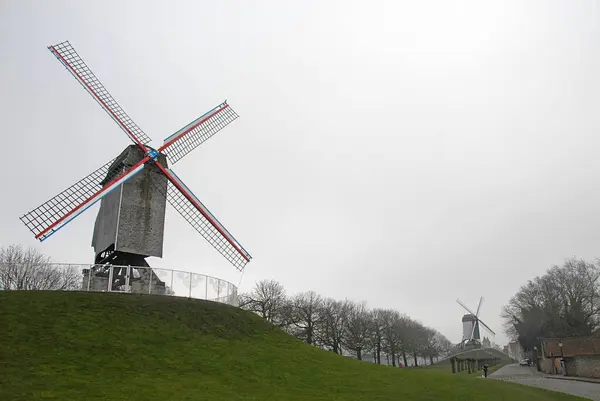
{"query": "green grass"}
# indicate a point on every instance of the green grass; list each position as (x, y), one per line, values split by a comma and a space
(95, 346)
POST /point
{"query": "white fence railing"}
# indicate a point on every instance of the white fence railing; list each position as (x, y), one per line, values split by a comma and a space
(109, 278)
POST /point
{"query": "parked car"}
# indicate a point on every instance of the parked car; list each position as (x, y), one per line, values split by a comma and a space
(525, 362)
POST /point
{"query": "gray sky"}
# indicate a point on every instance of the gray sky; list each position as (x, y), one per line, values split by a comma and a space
(405, 153)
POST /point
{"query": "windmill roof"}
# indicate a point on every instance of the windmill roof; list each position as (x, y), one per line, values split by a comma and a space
(469, 318)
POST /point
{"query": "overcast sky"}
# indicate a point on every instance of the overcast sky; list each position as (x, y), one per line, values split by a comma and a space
(404, 153)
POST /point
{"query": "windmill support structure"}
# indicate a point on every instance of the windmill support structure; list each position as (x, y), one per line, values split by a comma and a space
(115, 278)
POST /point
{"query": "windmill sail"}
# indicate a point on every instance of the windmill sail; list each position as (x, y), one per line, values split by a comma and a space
(55, 213)
(66, 54)
(50, 211)
(203, 221)
(486, 327)
(192, 135)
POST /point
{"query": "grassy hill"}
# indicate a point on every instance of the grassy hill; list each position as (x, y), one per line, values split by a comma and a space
(97, 346)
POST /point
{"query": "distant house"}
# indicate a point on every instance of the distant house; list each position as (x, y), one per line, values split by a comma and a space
(514, 350)
(571, 356)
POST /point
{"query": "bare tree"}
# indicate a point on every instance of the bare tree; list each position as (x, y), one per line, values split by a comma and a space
(497, 347)
(28, 269)
(332, 325)
(306, 308)
(428, 343)
(442, 344)
(579, 290)
(358, 329)
(286, 317)
(563, 302)
(391, 333)
(377, 327)
(407, 337)
(266, 299)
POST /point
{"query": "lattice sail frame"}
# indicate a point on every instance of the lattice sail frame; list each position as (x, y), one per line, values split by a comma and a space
(57, 212)
(66, 54)
(198, 131)
(50, 211)
(183, 200)
(52, 215)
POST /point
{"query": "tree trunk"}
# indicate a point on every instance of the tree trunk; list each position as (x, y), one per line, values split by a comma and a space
(309, 333)
(379, 353)
(359, 354)
(415, 357)
(393, 358)
(404, 358)
(431, 359)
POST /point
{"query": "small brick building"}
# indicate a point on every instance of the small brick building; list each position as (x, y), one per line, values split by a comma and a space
(573, 356)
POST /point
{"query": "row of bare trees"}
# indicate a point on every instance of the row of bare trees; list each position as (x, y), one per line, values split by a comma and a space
(28, 269)
(565, 301)
(345, 327)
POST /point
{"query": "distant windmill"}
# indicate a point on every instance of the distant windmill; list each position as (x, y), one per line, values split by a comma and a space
(471, 322)
(135, 186)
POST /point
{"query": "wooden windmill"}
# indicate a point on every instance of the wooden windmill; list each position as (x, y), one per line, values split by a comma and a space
(135, 187)
(471, 325)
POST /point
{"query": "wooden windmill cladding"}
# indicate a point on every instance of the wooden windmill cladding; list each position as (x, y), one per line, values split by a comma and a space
(131, 218)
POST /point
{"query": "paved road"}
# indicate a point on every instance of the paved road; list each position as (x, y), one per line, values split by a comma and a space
(527, 376)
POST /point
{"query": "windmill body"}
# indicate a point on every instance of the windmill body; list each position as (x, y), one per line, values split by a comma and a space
(134, 189)
(470, 325)
(130, 223)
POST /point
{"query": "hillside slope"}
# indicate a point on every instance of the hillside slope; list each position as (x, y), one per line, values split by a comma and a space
(98, 346)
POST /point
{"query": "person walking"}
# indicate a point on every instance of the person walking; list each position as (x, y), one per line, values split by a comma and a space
(485, 370)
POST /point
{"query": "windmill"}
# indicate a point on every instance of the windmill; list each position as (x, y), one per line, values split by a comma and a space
(134, 188)
(471, 326)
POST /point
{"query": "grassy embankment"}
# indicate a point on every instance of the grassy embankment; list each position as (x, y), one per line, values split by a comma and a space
(98, 346)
